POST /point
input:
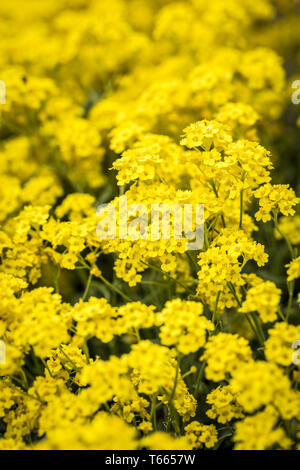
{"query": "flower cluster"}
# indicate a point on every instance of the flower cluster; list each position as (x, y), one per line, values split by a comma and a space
(129, 343)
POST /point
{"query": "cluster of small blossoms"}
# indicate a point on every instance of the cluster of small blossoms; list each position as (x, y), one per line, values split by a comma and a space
(263, 298)
(221, 266)
(224, 405)
(136, 342)
(224, 353)
(277, 198)
(183, 325)
(294, 269)
(201, 435)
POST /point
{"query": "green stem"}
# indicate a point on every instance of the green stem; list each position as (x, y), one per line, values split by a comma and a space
(137, 334)
(68, 359)
(173, 412)
(188, 254)
(253, 328)
(154, 283)
(233, 291)
(46, 367)
(175, 383)
(217, 194)
(206, 241)
(153, 411)
(280, 314)
(114, 288)
(189, 372)
(106, 407)
(287, 240)
(87, 287)
(56, 276)
(86, 351)
(259, 327)
(255, 331)
(241, 208)
(291, 285)
(199, 378)
(153, 266)
(216, 307)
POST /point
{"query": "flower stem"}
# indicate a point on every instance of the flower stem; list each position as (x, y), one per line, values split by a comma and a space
(241, 208)
(153, 411)
(114, 288)
(87, 287)
(216, 307)
(199, 378)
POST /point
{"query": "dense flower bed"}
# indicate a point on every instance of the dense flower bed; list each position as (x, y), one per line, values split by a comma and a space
(133, 343)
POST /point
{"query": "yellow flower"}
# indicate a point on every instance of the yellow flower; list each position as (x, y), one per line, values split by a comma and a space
(201, 435)
(293, 269)
(263, 298)
(204, 134)
(182, 324)
(259, 432)
(225, 354)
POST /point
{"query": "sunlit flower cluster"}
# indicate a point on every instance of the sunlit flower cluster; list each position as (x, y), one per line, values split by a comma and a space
(129, 343)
